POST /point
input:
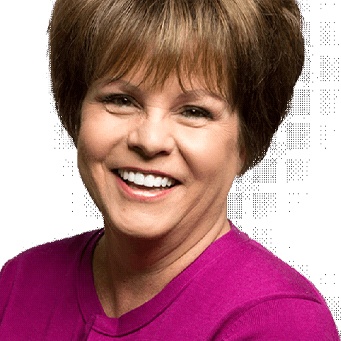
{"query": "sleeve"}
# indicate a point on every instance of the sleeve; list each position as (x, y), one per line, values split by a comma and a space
(284, 319)
(7, 276)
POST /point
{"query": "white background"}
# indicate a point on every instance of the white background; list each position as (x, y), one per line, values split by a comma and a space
(296, 214)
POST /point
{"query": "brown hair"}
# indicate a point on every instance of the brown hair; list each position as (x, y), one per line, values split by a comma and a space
(251, 51)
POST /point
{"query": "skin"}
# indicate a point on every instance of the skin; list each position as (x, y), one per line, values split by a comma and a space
(151, 237)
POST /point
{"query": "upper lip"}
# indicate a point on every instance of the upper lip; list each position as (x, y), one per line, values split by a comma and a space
(147, 171)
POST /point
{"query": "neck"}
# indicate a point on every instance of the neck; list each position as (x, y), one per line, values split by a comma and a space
(129, 271)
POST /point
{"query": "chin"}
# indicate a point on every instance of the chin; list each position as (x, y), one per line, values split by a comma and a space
(139, 227)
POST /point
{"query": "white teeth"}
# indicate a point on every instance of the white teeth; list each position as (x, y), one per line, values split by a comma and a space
(157, 181)
(147, 180)
(164, 182)
(125, 175)
(139, 179)
(131, 177)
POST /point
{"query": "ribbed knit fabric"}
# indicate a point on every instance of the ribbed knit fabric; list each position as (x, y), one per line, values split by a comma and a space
(235, 290)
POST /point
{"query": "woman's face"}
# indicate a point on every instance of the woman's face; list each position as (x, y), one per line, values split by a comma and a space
(158, 160)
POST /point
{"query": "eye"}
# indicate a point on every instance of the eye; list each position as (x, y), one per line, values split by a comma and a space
(120, 104)
(196, 113)
(119, 100)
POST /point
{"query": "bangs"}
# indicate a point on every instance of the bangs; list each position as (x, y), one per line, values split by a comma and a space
(249, 52)
(175, 37)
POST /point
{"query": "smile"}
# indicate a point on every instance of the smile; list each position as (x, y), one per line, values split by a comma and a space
(145, 179)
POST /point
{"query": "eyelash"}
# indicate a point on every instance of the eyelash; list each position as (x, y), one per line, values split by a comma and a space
(197, 112)
(114, 99)
(127, 101)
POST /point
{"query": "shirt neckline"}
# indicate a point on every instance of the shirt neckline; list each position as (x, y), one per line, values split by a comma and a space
(91, 308)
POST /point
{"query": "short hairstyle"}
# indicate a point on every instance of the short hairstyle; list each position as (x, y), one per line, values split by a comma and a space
(250, 51)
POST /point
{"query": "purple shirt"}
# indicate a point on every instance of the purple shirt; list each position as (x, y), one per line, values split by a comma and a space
(235, 290)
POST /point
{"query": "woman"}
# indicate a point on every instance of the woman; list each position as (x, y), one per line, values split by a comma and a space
(167, 102)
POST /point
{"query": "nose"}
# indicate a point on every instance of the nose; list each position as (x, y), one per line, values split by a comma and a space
(151, 135)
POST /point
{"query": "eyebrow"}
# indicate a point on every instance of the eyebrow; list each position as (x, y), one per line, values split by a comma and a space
(129, 86)
(195, 94)
(185, 95)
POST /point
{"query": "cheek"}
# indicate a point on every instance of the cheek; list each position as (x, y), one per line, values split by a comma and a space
(96, 138)
(92, 148)
(212, 153)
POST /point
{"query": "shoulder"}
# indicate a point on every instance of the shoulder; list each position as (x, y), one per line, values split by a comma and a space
(244, 269)
(262, 294)
(40, 286)
(45, 264)
(59, 251)
(289, 319)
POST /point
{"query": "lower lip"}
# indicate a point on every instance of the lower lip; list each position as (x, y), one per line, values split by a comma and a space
(140, 194)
